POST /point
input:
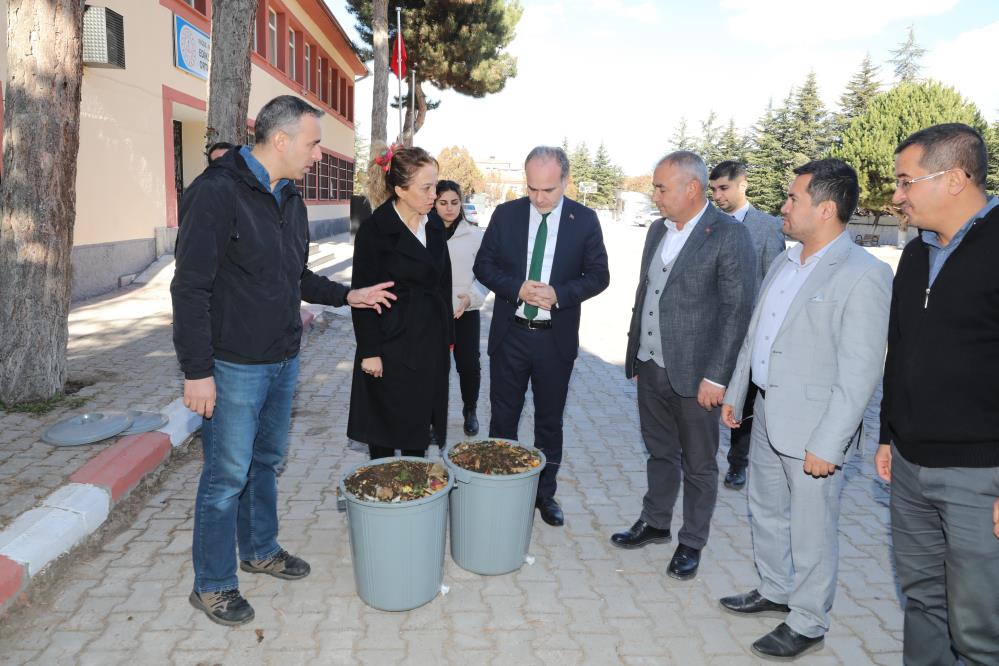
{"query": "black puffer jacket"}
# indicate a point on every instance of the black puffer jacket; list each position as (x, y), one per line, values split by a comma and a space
(241, 271)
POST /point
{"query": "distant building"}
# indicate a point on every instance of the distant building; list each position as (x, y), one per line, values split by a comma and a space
(504, 180)
(143, 112)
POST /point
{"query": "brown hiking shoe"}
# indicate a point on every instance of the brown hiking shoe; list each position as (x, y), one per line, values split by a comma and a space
(227, 607)
(281, 565)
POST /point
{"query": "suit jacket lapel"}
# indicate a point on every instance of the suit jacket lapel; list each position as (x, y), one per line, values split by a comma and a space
(652, 242)
(697, 237)
(823, 272)
(565, 226)
(521, 223)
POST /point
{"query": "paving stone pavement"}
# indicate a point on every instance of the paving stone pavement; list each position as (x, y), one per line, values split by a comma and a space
(581, 601)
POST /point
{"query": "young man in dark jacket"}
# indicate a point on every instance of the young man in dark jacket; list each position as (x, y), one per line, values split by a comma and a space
(241, 274)
(940, 411)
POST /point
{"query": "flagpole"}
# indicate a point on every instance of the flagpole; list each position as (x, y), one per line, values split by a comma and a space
(412, 108)
(398, 36)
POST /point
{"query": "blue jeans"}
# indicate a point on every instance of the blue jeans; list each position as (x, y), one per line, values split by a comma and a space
(244, 442)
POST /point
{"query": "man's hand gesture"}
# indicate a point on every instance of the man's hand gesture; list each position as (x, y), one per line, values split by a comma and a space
(199, 396)
(375, 296)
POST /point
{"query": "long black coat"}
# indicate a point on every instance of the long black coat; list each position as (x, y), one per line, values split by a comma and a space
(412, 337)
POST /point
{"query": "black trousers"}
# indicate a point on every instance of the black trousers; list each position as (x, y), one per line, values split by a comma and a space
(467, 331)
(530, 355)
(385, 452)
(738, 450)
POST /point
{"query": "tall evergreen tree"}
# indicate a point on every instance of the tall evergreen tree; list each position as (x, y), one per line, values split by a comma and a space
(771, 160)
(608, 178)
(732, 145)
(858, 94)
(992, 142)
(709, 145)
(869, 142)
(458, 46)
(906, 58)
(681, 139)
(809, 122)
(580, 169)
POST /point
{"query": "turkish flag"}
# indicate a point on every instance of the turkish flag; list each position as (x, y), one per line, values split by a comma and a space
(398, 54)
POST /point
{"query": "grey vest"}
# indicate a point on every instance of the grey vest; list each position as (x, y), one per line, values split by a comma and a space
(650, 346)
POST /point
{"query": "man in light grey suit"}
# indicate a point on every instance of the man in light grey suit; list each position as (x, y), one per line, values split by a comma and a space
(815, 350)
(728, 184)
(692, 306)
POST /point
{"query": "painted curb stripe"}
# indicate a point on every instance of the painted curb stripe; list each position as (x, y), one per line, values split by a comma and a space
(12, 579)
(120, 467)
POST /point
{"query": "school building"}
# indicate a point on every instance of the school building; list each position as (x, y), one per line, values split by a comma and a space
(143, 121)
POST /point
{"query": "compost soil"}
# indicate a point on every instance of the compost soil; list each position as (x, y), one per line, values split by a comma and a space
(494, 457)
(398, 481)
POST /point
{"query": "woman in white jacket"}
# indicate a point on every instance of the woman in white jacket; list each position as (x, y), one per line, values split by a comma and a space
(463, 240)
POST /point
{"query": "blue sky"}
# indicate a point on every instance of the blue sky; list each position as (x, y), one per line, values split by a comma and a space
(625, 71)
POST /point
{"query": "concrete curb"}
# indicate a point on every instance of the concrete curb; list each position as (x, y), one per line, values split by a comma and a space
(72, 513)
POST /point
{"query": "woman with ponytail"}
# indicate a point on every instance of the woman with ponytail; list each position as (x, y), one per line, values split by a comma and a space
(401, 367)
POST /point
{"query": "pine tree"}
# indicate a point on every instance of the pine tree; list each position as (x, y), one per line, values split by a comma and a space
(709, 145)
(731, 145)
(580, 169)
(869, 142)
(771, 161)
(859, 92)
(992, 142)
(608, 178)
(681, 140)
(809, 123)
(906, 58)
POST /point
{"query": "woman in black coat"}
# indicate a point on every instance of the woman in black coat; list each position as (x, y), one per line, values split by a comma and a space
(402, 363)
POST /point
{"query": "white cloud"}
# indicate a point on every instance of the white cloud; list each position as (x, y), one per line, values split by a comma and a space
(965, 63)
(782, 23)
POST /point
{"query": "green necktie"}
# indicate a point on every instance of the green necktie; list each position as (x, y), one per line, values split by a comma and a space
(537, 258)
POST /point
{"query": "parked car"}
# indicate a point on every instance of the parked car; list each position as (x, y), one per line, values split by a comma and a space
(645, 218)
(471, 213)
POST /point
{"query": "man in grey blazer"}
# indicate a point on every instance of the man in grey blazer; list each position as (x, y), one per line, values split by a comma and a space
(728, 184)
(815, 350)
(692, 306)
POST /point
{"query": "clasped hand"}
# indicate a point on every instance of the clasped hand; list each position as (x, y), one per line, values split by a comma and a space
(538, 294)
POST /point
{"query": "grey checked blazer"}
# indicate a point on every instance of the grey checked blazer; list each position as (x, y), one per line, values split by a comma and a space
(828, 355)
(706, 304)
(767, 237)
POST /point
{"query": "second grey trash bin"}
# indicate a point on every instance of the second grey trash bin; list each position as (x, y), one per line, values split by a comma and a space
(492, 517)
(397, 548)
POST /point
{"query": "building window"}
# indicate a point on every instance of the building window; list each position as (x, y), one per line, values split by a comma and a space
(308, 67)
(334, 87)
(329, 179)
(272, 37)
(292, 62)
(321, 85)
(350, 115)
(197, 5)
(343, 97)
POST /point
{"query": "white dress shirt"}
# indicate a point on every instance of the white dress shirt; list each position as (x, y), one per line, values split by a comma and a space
(677, 238)
(741, 213)
(421, 228)
(784, 287)
(534, 222)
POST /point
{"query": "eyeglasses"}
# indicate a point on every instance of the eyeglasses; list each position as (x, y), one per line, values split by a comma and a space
(905, 184)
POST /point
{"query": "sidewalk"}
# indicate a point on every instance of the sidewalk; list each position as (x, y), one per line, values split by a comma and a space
(581, 601)
(121, 350)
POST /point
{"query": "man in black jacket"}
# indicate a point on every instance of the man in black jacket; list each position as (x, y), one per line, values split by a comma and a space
(241, 274)
(940, 411)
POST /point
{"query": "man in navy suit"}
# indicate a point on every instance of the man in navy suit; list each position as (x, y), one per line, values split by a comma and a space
(542, 255)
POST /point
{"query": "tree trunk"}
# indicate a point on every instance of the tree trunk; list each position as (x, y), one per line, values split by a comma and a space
(38, 194)
(421, 114)
(229, 79)
(379, 95)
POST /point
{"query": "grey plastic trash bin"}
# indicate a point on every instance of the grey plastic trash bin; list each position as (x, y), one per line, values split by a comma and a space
(491, 517)
(397, 548)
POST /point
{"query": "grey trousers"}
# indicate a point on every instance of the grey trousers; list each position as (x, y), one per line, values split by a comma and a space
(794, 520)
(680, 436)
(947, 560)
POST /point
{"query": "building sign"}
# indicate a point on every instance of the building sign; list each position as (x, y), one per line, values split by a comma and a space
(191, 48)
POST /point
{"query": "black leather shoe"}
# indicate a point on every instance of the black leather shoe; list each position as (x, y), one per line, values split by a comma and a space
(640, 534)
(736, 478)
(471, 426)
(550, 510)
(753, 603)
(786, 644)
(684, 564)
